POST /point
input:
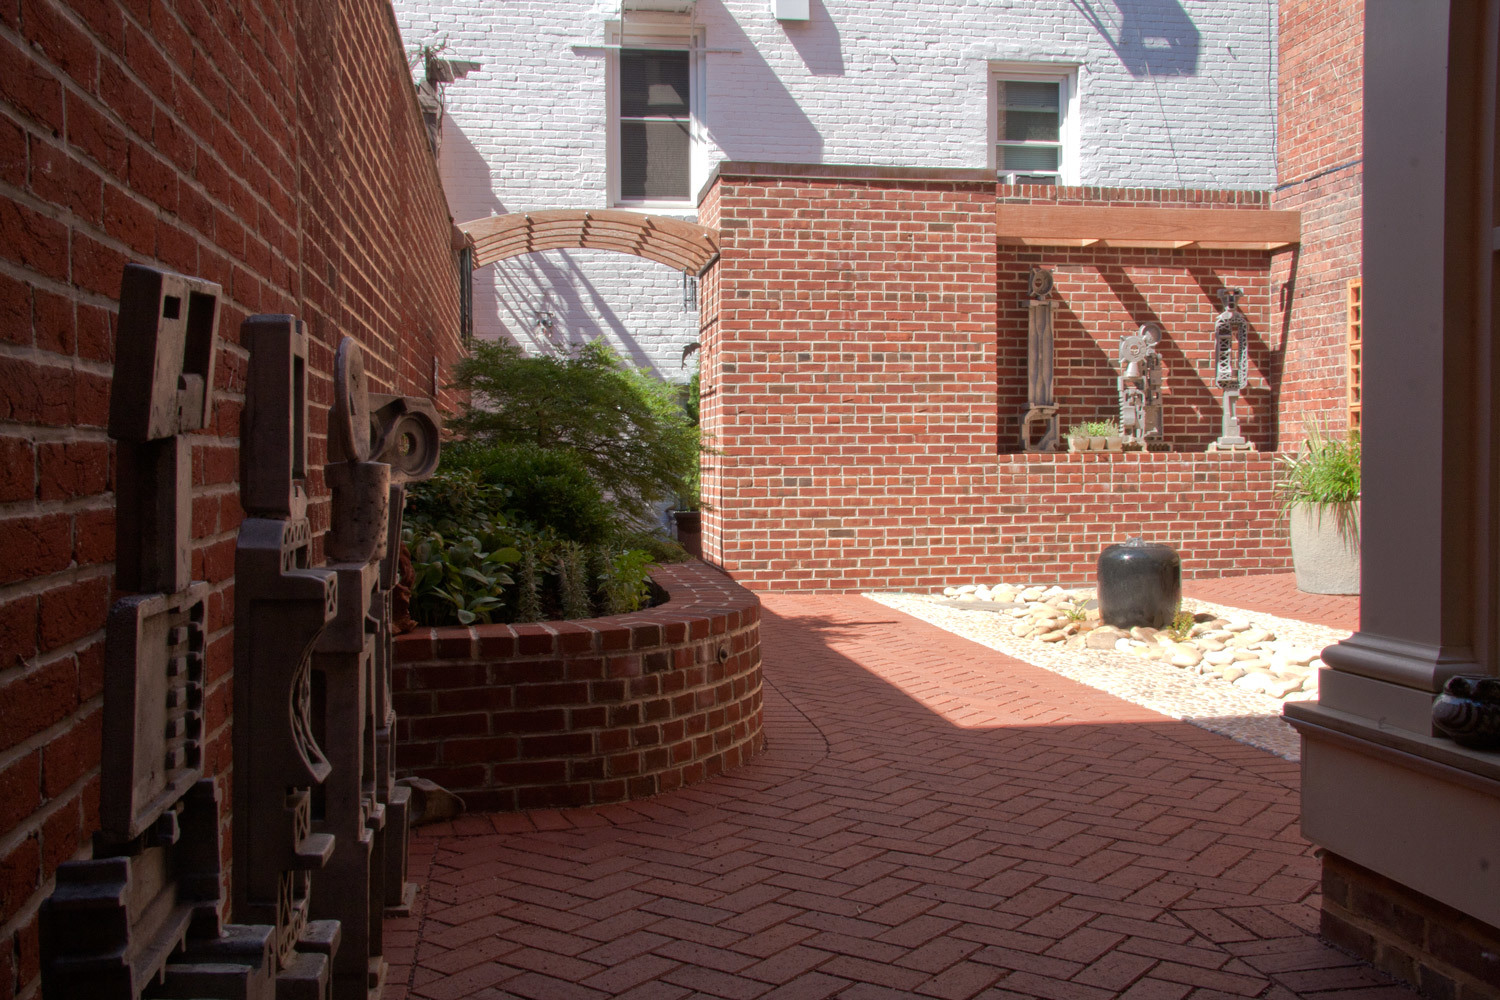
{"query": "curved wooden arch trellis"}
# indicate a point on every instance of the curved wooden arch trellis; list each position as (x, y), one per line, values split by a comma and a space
(685, 246)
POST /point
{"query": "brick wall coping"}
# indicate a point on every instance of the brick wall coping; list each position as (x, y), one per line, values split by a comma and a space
(701, 601)
(739, 169)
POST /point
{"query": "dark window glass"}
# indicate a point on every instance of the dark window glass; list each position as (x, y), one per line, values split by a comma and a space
(653, 84)
(655, 158)
(655, 141)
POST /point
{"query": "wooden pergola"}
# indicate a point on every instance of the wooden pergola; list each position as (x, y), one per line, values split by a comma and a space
(685, 246)
(1147, 228)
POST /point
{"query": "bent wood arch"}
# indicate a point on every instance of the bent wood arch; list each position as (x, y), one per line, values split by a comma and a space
(685, 246)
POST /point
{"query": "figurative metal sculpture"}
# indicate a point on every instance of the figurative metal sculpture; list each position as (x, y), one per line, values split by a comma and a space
(1042, 408)
(144, 914)
(1231, 366)
(1139, 386)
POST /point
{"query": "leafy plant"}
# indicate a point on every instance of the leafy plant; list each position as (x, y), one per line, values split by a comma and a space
(1076, 612)
(624, 581)
(625, 427)
(1094, 428)
(529, 584)
(573, 581)
(462, 578)
(1182, 624)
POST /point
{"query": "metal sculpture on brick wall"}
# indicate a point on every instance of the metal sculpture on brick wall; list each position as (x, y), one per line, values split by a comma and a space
(144, 915)
(361, 808)
(1041, 407)
(281, 606)
(1231, 367)
(320, 826)
(1139, 386)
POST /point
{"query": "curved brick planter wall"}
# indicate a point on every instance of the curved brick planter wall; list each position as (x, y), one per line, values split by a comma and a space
(586, 712)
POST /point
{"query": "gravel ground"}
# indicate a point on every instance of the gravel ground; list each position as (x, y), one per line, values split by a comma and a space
(1203, 700)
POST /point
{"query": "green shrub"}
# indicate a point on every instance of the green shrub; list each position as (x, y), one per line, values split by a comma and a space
(546, 489)
(627, 428)
(454, 496)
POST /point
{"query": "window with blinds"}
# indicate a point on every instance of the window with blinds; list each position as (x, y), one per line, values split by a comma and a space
(655, 125)
(1028, 131)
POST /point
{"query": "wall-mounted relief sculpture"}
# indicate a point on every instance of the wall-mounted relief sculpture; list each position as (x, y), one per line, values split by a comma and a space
(143, 916)
(372, 455)
(1139, 386)
(1041, 406)
(1231, 367)
(281, 606)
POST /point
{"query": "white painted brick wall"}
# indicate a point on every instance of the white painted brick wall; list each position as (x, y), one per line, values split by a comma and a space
(1172, 93)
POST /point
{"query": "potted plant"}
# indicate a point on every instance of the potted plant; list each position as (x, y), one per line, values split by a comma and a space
(1320, 493)
(1095, 435)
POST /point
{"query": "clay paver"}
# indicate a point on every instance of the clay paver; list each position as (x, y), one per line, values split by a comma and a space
(931, 818)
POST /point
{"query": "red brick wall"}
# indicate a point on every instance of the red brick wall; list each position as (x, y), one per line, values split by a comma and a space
(586, 712)
(863, 384)
(1320, 174)
(269, 146)
(1059, 511)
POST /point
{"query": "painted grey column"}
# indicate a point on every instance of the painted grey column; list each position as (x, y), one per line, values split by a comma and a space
(1420, 515)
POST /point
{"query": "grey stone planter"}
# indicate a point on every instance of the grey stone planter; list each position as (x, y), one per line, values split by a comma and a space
(1325, 547)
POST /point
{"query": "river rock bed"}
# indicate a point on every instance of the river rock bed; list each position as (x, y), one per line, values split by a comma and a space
(1228, 670)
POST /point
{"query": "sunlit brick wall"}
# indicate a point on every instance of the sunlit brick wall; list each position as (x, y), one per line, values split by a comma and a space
(272, 147)
(1320, 173)
(866, 378)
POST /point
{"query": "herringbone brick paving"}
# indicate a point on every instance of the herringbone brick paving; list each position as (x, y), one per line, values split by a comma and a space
(931, 819)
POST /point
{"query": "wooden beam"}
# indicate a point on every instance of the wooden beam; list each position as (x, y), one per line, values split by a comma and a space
(1156, 226)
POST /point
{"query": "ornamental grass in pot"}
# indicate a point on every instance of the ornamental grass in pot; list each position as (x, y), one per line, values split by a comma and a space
(1320, 491)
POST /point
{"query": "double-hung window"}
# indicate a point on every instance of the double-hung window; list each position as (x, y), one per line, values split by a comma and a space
(1032, 127)
(655, 122)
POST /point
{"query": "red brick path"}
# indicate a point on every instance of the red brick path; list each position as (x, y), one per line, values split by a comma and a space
(1277, 594)
(931, 819)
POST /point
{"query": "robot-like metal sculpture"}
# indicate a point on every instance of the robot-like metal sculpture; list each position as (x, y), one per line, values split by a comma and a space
(1231, 366)
(143, 915)
(1042, 408)
(1139, 386)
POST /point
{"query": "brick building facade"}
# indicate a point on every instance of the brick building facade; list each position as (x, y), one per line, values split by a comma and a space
(864, 366)
(273, 148)
(1158, 95)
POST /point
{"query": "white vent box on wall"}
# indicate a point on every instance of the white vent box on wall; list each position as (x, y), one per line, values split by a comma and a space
(790, 10)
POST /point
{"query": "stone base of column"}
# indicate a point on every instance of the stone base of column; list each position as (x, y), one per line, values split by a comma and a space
(1438, 950)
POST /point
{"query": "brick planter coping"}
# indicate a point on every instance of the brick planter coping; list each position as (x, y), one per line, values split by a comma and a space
(575, 713)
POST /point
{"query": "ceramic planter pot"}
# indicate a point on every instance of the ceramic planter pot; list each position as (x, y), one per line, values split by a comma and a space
(1325, 547)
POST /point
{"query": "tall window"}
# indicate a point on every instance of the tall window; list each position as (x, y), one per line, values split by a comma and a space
(656, 146)
(1028, 131)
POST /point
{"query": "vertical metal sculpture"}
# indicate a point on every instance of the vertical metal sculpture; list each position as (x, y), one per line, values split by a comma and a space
(281, 607)
(1231, 367)
(1139, 386)
(351, 665)
(143, 916)
(1041, 407)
